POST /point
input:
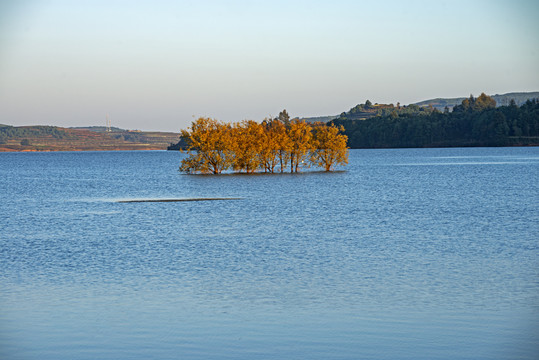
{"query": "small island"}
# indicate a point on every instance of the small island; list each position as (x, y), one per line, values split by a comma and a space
(274, 145)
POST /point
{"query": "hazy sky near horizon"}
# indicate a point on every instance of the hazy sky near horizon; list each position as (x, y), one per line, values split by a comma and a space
(153, 65)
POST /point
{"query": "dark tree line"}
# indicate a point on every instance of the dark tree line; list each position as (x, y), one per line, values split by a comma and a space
(8, 132)
(475, 122)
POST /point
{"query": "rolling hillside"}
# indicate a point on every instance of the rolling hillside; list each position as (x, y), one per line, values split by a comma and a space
(501, 100)
(51, 138)
(438, 103)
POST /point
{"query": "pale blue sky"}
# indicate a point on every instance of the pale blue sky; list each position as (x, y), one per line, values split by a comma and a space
(153, 65)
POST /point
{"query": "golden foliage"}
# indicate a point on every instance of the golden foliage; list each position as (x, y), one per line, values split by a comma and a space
(300, 134)
(247, 146)
(330, 147)
(210, 140)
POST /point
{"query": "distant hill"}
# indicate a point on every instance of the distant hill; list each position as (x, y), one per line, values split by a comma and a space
(100, 129)
(52, 138)
(359, 112)
(501, 100)
(474, 122)
(369, 110)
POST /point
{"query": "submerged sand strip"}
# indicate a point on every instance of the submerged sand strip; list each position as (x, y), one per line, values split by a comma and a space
(174, 200)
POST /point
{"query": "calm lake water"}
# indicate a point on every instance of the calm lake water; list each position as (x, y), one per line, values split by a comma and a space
(407, 254)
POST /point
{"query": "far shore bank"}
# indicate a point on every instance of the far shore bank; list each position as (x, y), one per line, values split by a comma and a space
(6, 149)
(11, 150)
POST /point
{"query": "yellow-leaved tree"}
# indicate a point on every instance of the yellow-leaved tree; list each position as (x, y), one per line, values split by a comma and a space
(208, 147)
(282, 142)
(246, 142)
(268, 146)
(300, 135)
(329, 147)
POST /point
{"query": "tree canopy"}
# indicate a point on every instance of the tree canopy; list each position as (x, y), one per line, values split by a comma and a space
(475, 122)
(248, 146)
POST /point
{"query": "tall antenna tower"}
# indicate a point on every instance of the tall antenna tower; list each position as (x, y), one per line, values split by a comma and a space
(107, 129)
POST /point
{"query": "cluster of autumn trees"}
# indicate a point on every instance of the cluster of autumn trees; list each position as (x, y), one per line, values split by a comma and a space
(273, 145)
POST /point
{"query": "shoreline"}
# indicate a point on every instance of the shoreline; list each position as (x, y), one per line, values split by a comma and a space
(154, 148)
(148, 148)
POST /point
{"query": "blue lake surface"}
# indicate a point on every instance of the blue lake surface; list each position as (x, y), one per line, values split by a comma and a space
(405, 254)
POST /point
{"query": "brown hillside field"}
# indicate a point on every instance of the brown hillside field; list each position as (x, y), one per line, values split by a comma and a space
(86, 140)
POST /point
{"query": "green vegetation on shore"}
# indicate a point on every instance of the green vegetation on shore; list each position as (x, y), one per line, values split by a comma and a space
(475, 122)
(439, 104)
